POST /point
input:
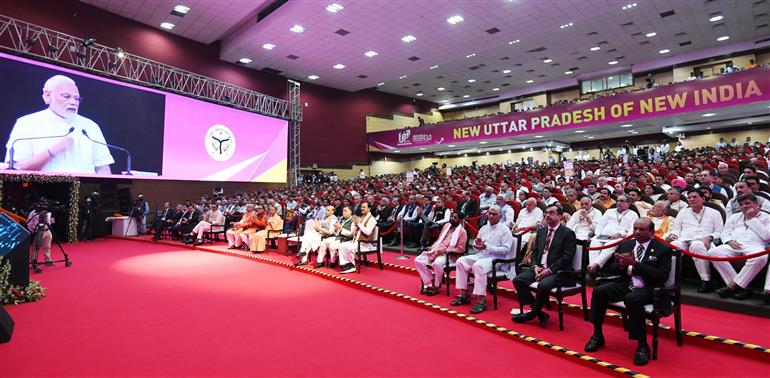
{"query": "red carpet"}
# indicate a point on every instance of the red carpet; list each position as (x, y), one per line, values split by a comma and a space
(133, 309)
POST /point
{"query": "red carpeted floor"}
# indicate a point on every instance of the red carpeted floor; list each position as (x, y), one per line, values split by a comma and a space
(133, 309)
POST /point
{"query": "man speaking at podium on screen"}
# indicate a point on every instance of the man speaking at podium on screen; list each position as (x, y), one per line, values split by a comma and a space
(57, 139)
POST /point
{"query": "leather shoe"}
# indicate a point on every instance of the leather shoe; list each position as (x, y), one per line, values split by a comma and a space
(766, 298)
(542, 318)
(524, 317)
(460, 300)
(705, 287)
(318, 265)
(479, 307)
(726, 292)
(742, 294)
(642, 355)
(594, 343)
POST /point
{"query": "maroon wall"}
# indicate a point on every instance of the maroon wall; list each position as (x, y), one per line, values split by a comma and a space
(334, 126)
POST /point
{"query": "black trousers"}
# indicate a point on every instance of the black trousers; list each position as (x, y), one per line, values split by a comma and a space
(526, 278)
(159, 226)
(635, 300)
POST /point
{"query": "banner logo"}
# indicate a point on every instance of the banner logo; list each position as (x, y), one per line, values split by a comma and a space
(220, 142)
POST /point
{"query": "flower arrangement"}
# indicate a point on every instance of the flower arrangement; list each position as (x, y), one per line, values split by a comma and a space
(13, 294)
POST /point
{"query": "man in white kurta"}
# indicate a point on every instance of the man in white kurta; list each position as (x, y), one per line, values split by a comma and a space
(744, 233)
(530, 216)
(584, 221)
(366, 230)
(322, 230)
(452, 238)
(344, 231)
(73, 153)
(614, 225)
(507, 215)
(694, 229)
(494, 241)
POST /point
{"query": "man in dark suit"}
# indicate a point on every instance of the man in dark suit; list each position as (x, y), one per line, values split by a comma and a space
(554, 250)
(165, 219)
(469, 207)
(642, 264)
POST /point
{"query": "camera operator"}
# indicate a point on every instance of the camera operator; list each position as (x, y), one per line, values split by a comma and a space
(89, 210)
(139, 212)
(40, 218)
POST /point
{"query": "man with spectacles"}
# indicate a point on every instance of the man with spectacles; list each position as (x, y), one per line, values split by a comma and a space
(73, 153)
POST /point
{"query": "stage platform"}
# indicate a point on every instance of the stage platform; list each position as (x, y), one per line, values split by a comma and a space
(137, 308)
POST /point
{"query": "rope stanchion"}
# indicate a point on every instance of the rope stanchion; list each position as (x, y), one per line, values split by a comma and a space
(401, 246)
(474, 229)
(715, 258)
(477, 217)
(390, 230)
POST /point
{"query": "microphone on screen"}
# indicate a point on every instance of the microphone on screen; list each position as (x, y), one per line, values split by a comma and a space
(12, 150)
(128, 154)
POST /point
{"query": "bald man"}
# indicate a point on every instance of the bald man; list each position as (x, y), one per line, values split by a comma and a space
(73, 153)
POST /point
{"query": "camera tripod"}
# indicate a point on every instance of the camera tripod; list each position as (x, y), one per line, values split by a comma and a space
(39, 232)
(133, 218)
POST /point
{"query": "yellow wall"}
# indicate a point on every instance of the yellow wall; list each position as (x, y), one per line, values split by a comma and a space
(374, 123)
(760, 135)
(763, 58)
(682, 73)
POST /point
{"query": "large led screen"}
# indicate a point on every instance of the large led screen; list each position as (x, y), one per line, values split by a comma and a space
(58, 120)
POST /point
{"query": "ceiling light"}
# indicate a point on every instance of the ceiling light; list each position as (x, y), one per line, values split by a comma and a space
(709, 114)
(380, 84)
(723, 38)
(433, 67)
(396, 151)
(664, 51)
(595, 48)
(455, 19)
(451, 145)
(371, 53)
(120, 53)
(590, 137)
(422, 149)
(482, 142)
(629, 6)
(268, 46)
(514, 41)
(334, 8)
(471, 80)
(548, 61)
(568, 72)
(565, 26)
(313, 77)
(509, 151)
(530, 81)
(339, 66)
(538, 136)
(181, 9)
(579, 131)
(419, 94)
(408, 38)
(506, 71)
(167, 25)
(716, 18)
(626, 125)
(466, 96)
(495, 89)
(612, 63)
(440, 88)
(402, 77)
(470, 55)
(297, 29)
(651, 34)
(244, 61)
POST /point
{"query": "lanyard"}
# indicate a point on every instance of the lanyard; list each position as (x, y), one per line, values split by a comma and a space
(702, 214)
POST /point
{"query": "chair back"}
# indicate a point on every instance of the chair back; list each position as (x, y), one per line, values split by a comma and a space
(719, 196)
(674, 277)
(580, 260)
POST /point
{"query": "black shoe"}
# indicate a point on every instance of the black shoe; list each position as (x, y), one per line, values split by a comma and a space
(301, 254)
(524, 317)
(333, 264)
(300, 263)
(318, 265)
(766, 298)
(743, 294)
(233, 247)
(594, 343)
(460, 300)
(348, 268)
(705, 287)
(542, 318)
(726, 292)
(642, 355)
(479, 307)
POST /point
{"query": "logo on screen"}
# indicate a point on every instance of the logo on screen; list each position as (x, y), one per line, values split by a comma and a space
(220, 142)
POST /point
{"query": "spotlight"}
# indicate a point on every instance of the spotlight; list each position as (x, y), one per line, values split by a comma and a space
(227, 99)
(89, 42)
(119, 52)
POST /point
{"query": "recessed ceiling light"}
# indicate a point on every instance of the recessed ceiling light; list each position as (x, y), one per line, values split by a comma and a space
(723, 38)
(402, 77)
(629, 6)
(651, 34)
(548, 61)
(590, 137)
(470, 55)
(244, 61)
(440, 88)
(538, 136)
(514, 41)
(568, 72)
(579, 131)
(313, 77)
(709, 114)
(396, 151)
(716, 18)
(626, 125)
(451, 145)
(506, 71)
(408, 38)
(471, 80)
(612, 63)
(595, 48)
(466, 96)
(297, 28)
(455, 19)
(565, 25)
(419, 94)
(268, 46)
(182, 9)
(495, 89)
(339, 66)
(334, 8)
(422, 148)
(167, 25)
(482, 142)
(380, 84)
(664, 51)
(371, 53)
(433, 67)
(530, 81)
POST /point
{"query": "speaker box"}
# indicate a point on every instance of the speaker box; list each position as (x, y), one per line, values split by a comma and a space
(6, 326)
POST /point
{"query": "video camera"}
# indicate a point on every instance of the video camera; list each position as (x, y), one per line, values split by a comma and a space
(46, 205)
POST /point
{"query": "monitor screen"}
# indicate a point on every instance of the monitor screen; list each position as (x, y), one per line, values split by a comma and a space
(58, 120)
(11, 235)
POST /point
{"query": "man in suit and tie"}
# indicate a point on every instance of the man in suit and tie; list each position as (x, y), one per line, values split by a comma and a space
(469, 206)
(165, 220)
(641, 265)
(554, 250)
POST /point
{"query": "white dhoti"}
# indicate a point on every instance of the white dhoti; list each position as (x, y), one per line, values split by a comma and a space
(435, 277)
(696, 246)
(330, 245)
(233, 237)
(748, 272)
(202, 227)
(601, 256)
(480, 265)
(347, 251)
